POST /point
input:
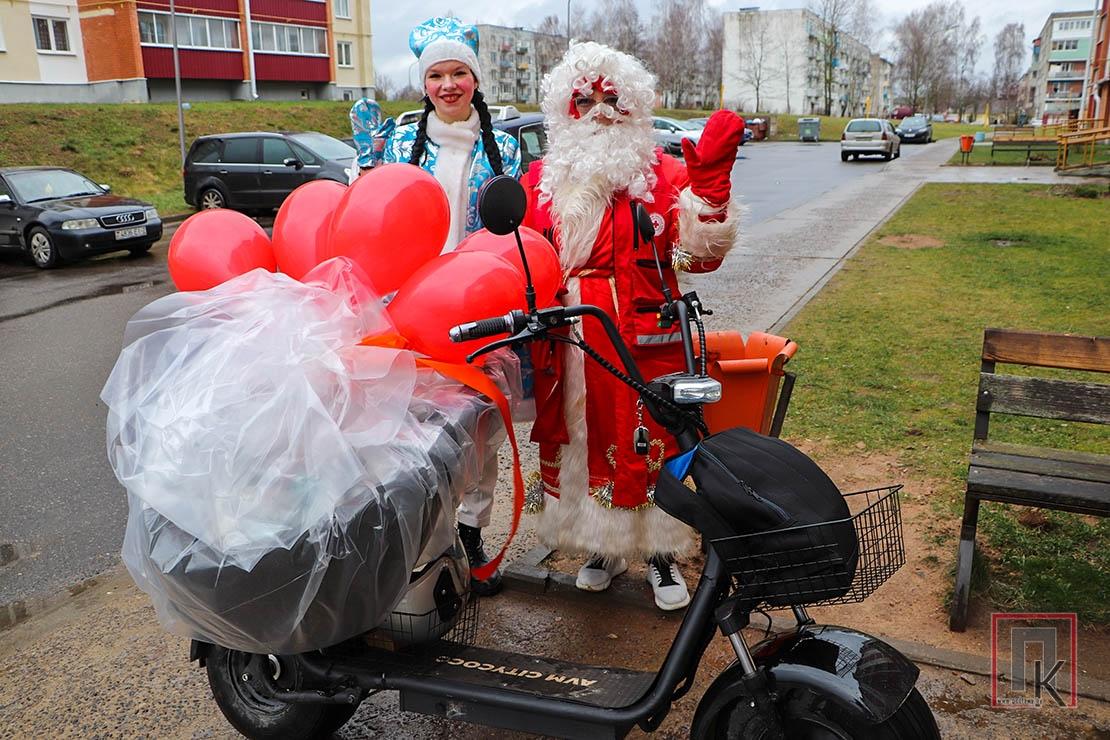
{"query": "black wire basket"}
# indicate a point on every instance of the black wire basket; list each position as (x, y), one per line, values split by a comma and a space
(405, 630)
(837, 562)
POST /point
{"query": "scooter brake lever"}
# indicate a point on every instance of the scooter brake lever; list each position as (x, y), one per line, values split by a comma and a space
(522, 336)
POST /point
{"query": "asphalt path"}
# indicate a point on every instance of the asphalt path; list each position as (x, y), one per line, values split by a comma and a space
(60, 334)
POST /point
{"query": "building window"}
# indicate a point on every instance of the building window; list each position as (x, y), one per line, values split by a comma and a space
(342, 8)
(193, 31)
(51, 34)
(343, 53)
(1065, 45)
(279, 38)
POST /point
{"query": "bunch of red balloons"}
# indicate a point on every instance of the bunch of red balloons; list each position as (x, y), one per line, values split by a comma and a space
(392, 222)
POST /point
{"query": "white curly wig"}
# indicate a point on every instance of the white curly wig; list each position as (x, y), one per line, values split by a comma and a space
(587, 161)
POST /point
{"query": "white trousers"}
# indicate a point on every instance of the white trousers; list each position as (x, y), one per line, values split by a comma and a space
(477, 505)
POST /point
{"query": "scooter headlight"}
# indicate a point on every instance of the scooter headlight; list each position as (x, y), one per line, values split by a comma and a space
(696, 390)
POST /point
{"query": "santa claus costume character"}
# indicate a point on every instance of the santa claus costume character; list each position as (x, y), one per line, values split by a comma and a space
(595, 493)
(455, 141)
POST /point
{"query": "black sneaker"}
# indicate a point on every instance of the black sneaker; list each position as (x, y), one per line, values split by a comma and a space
(472, 542)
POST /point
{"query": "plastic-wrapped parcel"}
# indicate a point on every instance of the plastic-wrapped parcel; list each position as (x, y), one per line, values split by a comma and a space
(282, 480)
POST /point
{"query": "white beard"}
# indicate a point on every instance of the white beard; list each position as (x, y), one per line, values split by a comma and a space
(585, 165)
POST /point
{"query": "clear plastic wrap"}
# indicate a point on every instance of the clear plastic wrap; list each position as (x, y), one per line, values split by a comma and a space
(282, 479)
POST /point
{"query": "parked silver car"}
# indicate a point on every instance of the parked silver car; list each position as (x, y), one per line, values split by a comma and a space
(670, 132)
(869, 136)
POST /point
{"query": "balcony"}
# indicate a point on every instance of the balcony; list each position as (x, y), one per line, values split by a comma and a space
(522, 49)
(522, 66)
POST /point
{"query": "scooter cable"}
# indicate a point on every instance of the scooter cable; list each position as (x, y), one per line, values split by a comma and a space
(639, 387)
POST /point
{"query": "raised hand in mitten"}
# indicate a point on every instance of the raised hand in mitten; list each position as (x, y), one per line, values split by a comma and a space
(709, 164)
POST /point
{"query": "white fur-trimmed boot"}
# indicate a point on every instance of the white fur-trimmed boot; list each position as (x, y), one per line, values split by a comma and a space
(599, 572)
(667, 583)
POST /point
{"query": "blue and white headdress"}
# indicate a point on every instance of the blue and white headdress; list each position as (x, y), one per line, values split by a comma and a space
(445, 39)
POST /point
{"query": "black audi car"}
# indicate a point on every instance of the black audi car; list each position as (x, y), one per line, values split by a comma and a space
(55, 214)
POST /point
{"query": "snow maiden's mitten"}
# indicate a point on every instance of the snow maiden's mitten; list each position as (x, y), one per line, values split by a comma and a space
(709, 164)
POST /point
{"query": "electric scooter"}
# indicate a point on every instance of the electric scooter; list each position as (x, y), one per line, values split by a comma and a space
(811, 681)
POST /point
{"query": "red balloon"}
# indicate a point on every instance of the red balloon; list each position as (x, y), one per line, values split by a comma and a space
(303, 225)
(391, 221)
(452, 289)
(213, 246)
(543, 260)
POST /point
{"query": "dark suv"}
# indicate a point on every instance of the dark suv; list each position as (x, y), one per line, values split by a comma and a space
(256, 170)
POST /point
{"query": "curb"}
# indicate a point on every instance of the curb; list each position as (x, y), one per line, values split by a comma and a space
(526, 575)
(175, 218)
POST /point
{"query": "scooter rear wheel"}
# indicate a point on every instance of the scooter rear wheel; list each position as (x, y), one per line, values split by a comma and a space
(807, 715)
(241, 697)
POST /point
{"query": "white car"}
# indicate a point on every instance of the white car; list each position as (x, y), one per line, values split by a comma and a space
(496, 112)
(869, 136)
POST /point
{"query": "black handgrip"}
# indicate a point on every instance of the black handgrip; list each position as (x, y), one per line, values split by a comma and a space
(482, 328)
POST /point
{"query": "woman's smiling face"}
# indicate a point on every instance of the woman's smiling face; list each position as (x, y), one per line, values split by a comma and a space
(450, 85)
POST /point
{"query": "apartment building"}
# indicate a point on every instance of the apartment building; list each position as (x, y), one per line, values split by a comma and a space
(122, 50)
(881, 98)
(514, 62)
(1097, 95)
(775, 56)
(1059, 67)
(42, 56)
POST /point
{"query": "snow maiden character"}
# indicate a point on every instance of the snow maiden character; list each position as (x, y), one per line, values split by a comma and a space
(455, 141)
(596, 496)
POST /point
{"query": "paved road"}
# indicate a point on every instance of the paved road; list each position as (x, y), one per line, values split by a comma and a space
(60, 332)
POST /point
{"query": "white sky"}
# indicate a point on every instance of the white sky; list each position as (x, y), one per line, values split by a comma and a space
(392, 20)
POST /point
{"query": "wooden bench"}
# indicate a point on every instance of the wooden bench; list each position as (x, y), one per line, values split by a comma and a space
(1048, 478)
(1024, 145)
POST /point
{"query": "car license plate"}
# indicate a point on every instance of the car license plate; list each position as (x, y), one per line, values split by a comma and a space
(131, 233)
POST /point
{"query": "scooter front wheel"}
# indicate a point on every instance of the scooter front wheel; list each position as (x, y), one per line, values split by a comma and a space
(806, 715)
(241, 696)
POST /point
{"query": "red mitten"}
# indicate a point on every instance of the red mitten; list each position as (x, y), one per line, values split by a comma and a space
(710, 163)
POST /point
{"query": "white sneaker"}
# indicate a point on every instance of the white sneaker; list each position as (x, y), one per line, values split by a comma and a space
(599, 572)
(667, 583)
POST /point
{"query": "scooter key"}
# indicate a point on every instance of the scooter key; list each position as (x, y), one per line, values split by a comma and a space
(640, 442)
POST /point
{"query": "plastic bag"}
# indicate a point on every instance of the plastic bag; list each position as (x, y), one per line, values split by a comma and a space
(282, 479)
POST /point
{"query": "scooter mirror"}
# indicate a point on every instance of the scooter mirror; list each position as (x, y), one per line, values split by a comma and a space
(643, 222)
(501, 204)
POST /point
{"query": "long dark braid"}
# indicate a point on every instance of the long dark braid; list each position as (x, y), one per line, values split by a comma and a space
(421, 142)
(493, 154)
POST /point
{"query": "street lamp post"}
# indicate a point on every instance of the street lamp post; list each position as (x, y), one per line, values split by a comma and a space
(177, 81)
(568, 24)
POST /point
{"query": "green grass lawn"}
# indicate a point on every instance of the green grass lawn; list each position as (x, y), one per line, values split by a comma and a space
(890, 359)
(981, 156)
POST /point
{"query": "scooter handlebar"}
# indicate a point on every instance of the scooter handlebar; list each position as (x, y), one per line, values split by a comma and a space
(510, 323)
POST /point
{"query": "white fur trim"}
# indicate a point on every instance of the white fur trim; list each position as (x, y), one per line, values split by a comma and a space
(575, 521)
(456, 145)
(706, 240)
(448, 50)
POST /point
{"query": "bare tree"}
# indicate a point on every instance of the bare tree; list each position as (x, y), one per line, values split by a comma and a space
(969, 44)
(617, 24)
(756, 50)
(712, 55)
(920, 54)
(834, 16)
(669, 52)
(1009, 56)
(787, 53)
(384, 87)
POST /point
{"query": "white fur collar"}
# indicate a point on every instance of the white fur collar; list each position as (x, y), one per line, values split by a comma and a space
(458, 135)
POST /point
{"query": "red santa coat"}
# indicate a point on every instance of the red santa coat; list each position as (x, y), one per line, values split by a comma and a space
(597, 492)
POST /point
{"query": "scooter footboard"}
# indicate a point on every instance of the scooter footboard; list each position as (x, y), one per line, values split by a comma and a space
(864, 676)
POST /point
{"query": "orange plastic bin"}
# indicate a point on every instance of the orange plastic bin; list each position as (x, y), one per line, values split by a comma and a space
(751, 375)
(966, 142)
